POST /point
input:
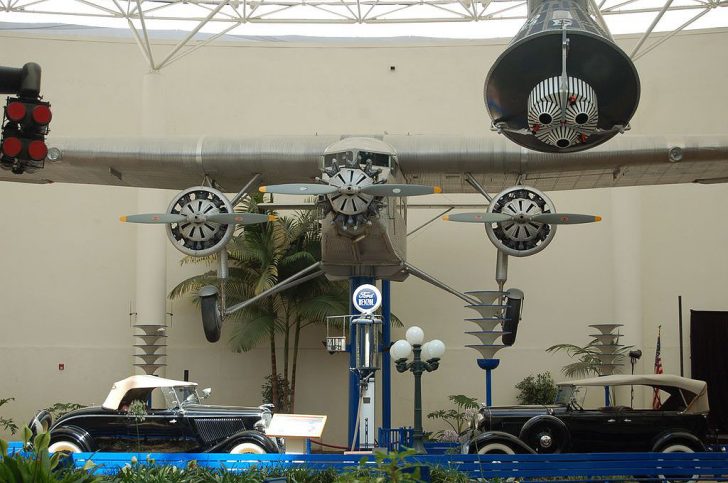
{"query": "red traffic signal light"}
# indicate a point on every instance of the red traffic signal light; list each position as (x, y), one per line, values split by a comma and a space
(41, 114)
(23, 133)
(15, 111)
(12, 146)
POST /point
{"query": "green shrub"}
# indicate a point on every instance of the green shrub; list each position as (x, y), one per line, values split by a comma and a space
(36, 465)
(59, 409)
(7, 424)
(459, 418)
(540, 389)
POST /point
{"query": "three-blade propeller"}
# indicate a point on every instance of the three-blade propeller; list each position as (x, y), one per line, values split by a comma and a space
(385, 189)
(548, 218)
(220, 218)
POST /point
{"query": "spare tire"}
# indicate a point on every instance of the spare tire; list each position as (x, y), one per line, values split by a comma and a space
(545, 434)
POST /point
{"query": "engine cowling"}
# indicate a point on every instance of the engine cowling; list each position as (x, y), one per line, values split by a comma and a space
(197, 236)
(521, 236)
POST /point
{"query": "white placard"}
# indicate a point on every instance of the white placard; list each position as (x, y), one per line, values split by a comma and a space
(297, 425)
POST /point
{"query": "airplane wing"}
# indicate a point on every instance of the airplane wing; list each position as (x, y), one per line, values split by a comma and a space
(177, 163)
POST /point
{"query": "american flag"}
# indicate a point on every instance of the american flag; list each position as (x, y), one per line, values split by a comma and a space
(656, 403)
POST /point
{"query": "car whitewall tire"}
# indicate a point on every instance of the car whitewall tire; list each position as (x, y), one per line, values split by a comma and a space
(496, 448)
(64, 447)
(678, 448)
(247, 448)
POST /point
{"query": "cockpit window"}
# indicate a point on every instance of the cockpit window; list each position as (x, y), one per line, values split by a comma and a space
(348, 159)
(377, 159)
(344, 159)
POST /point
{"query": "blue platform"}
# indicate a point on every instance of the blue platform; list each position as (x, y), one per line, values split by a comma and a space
(712, 466)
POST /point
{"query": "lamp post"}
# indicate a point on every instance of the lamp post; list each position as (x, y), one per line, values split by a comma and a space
(426, 357)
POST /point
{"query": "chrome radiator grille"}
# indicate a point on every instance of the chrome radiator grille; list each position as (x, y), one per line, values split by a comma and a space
(214, 429)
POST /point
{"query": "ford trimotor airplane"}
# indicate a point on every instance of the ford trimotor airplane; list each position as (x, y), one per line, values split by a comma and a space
(560, 90)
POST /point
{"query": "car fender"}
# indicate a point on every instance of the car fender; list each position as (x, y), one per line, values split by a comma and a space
(41, 422)
(76, 435)
(247, 436)
(496, 437)
(669, 437)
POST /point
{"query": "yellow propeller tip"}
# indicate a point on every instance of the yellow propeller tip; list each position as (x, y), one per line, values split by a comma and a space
(261, 189)
(272, 218)
(597, 218)
(438, 189)
(446, 217)
(122, 219)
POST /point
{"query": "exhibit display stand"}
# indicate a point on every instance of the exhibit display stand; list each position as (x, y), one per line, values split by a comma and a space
(297, 429)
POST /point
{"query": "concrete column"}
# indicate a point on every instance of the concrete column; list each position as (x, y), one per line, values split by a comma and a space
(151, 267)
(626, 223)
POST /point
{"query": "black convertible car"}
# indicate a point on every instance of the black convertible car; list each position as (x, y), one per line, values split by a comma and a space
(177, 423)
(679, 425)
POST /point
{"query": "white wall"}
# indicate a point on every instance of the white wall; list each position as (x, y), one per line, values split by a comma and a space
(69, 266)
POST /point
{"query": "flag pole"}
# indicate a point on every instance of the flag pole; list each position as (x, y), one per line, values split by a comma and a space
(680, 327)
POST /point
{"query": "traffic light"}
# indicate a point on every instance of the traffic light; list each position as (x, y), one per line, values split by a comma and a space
(25, 126)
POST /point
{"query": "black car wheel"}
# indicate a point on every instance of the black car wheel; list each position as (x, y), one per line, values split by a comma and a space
(247, 448)
(545, 434)
(496, 447)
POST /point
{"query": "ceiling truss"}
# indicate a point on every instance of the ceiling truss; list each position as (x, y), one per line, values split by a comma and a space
(216, 18)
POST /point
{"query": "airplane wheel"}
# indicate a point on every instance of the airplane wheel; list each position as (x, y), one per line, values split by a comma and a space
(211, 317)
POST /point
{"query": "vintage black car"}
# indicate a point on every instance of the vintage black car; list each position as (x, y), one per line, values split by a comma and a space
(175, 423)
(679, 425)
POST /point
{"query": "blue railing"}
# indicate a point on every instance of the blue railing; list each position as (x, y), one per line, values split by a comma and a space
(711, 466)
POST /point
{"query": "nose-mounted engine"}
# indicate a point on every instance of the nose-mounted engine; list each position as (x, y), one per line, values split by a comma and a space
(562, 85)
(357, 175)
(351, 173)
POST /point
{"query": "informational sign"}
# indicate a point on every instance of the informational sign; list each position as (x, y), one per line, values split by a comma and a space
(367, 299)
(296, 425)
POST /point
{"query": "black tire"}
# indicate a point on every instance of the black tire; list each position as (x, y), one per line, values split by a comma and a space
(211, 317)
(545, 434)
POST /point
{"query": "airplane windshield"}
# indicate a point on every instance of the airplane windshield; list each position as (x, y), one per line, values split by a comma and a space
(377, 159)
(343, 159)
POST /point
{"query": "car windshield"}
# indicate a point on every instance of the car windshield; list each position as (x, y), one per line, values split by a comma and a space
(568, 395)
(180, 396)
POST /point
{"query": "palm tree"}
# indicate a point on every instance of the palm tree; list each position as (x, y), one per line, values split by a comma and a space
(259, 257)
(587, 362)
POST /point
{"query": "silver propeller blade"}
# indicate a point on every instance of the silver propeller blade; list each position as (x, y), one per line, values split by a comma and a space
(564, 218)
(299, 189)
(153, 218)
(389, 189)
(478, 217)
(240, 218)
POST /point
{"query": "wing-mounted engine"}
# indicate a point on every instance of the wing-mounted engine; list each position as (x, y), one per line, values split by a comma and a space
(522, 234)
(521, 220)
(200, 220)
(197, 235)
